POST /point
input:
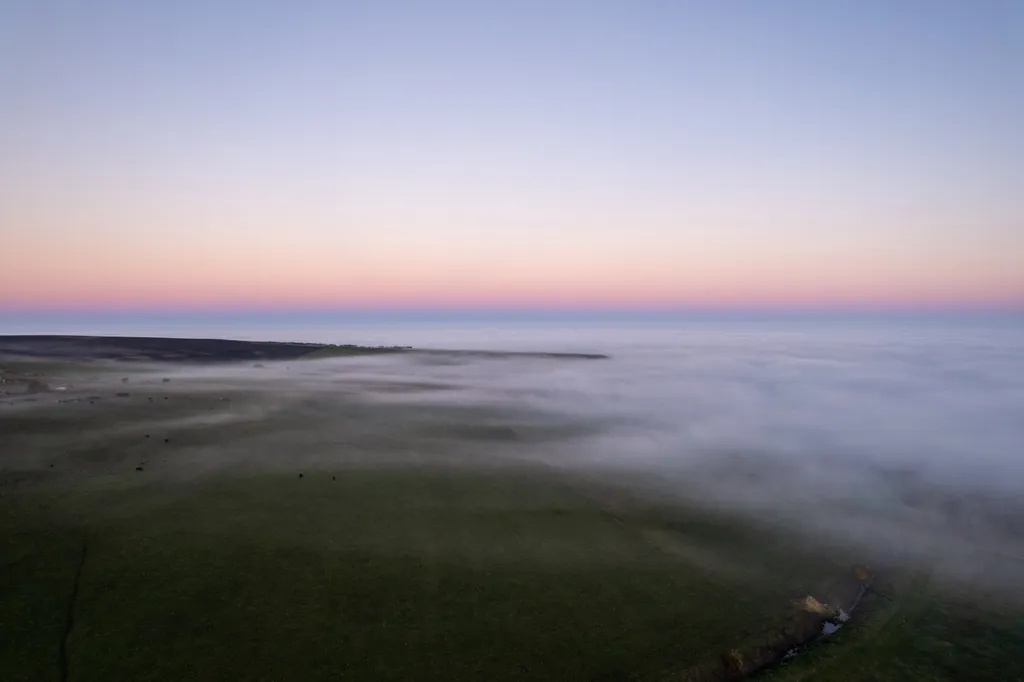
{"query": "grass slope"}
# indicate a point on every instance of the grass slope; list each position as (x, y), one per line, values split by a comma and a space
(429, 574)
(409, 549)
(908, 628)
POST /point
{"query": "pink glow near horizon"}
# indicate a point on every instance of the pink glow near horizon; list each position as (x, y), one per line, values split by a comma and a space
(124, 269)
(156, 292)
(686, 157)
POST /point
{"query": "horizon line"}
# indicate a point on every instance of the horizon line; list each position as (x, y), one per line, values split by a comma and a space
(838, 310)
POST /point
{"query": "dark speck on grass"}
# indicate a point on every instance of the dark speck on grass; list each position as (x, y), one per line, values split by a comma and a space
(138, 468)
(333, 478)
(147, 435)
(300, 475)
(167, 440)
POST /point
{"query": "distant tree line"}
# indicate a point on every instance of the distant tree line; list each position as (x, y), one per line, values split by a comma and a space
(356, 347)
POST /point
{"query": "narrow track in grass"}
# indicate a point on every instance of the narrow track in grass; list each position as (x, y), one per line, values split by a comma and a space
(69, 623)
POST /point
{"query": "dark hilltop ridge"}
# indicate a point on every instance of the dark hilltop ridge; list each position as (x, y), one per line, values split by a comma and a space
(128, 348)
(148, 349)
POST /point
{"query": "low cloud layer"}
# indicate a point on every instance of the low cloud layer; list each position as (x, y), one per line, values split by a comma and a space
(908, 442)
(905, 443)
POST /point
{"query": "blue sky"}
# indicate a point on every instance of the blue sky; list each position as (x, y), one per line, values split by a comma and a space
(342, 154)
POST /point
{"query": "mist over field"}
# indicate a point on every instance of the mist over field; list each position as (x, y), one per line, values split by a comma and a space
(942, 402)
(738, 484)
(907, 441)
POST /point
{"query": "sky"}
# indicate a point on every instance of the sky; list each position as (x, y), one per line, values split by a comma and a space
(510, 154)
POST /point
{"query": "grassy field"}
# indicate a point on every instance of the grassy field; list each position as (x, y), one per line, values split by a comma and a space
(360, 574)
(910, 628)
(239, 527)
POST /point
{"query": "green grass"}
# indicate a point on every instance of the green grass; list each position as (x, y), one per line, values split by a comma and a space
(911, 629)
(385, 574)
(409, 550)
